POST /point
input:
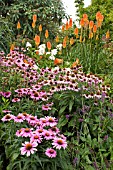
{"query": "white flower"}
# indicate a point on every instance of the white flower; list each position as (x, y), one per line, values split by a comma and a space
(59, 47)
(53, 52)
(48, 53)
(42, 46)
(28, 44)
(52, 57)
(41, 51)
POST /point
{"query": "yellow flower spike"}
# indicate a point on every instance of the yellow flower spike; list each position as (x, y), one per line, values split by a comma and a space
(80, 38)
(107, 34)
(57, 39)
(33, 25)
(40, 27)
(90, 35)
(46, 34)
(18, 25)
(72, 41)
(97, 37)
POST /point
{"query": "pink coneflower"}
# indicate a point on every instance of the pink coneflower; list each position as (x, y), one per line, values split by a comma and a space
(15, 100)
(54, 129)
(36, 137)
(43, 122)
(26, 132)
(51, 121)
(19, 132)
(32, 119)
(7, 117)
(40, 131)
(6, 94)
(28, 148)
(19, 118)
(59, 142)
(51, 153)
(45, 107)
(6, 111)
(47, 135)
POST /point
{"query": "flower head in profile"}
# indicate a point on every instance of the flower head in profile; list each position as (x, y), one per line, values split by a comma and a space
(46, 107)
(51, 153)
(28, 148)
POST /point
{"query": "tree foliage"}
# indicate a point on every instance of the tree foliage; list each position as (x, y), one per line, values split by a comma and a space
(49, 13)
(105, 7)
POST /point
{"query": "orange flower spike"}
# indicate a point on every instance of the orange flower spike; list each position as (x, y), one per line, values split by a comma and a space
(34, 18)
(63, 27)
(82, 22)
(75, 63)
(71, 41)
(18, 25)
(49, 45)
(101, 18)
(91, 23)
(33, 24)
(57, 39)
(46, 34)
(67, 26)
(12, 47)
(64, 43)
(98, 14)
(37, 39)
(70, 23)
(76, 31)
(95, 28)
(99, 23)
(40, 27)
(58, 61)
(85, 17)
(107, 34)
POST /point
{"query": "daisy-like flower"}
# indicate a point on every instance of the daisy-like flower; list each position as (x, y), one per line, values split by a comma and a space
(26, 132)
(28, 148)
(32, 119)
(36, 137)
(46, 107)
(51, 153)
(47, 134)
(19, 118)
(19, 132)
(15, 100)
(59, 143)
(7, 117)
(51, 121)
(6, 94)
(54, 129)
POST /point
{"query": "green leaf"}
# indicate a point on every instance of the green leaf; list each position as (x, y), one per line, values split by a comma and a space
(71, 105)
(15, 155)
(62, 110)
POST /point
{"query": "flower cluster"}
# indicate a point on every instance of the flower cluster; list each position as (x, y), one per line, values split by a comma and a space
(44, 83)
(43, 129)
